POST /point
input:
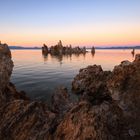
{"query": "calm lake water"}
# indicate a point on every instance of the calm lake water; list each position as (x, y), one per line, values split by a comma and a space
(39, 75)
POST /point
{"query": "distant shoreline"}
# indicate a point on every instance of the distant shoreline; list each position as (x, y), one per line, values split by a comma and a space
(98, 48)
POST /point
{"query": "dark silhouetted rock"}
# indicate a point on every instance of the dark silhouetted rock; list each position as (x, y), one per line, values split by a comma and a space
(45, 50)
(59, 49)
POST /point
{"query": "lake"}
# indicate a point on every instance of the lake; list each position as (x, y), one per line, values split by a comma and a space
(38, 76)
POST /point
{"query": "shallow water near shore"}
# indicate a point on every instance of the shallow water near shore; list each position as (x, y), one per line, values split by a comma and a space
(39, 75)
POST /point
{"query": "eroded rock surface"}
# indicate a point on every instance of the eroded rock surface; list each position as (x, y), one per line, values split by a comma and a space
(122, 86)
(61, 101)
(6, 66)
(91, 84)
(88, 122)
(93, 50)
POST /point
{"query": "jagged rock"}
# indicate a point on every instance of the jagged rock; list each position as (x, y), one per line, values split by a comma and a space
(59, 49)
(124, 86)
(6, 66)
(21, 118)
(92, 122)
(121, 85)
(91, 83)
(137, 58)
(61, 102)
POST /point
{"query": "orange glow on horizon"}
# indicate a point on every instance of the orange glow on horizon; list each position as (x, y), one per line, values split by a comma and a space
(97, 35)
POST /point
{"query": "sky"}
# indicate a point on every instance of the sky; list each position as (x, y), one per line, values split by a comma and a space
(78, 22)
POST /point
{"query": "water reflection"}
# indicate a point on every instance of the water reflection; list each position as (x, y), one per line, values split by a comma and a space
(93, 54)
(39, 75)
(60, 58)
(133, 52)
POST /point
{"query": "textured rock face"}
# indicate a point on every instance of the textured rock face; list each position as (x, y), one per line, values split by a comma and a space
(61, 102)
(23, 120)
(20, 118)
(122, 86)
(88, 122)
(6, 66)
(91, 83)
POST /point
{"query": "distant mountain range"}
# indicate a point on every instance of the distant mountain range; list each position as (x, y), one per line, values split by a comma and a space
(132, 47)
(23, 48)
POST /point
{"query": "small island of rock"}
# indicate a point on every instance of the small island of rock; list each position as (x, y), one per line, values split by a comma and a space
(59, 49)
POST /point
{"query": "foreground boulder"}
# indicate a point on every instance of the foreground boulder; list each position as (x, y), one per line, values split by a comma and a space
(88, 122)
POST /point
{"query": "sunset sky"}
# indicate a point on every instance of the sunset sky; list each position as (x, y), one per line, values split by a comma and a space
(76, 22)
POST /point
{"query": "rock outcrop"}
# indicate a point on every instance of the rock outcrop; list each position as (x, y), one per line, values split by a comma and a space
(59, 49)
(108, 108)
(21, 118)
(88, 122)
(6, 66)
(122, 86)
(61, 101)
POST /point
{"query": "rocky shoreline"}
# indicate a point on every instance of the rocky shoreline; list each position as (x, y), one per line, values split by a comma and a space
(108, 106)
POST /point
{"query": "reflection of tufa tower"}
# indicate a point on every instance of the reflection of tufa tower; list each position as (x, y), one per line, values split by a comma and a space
(93, 50)
(133, 52)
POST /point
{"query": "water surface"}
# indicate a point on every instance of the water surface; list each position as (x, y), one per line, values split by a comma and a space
(39, 75)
